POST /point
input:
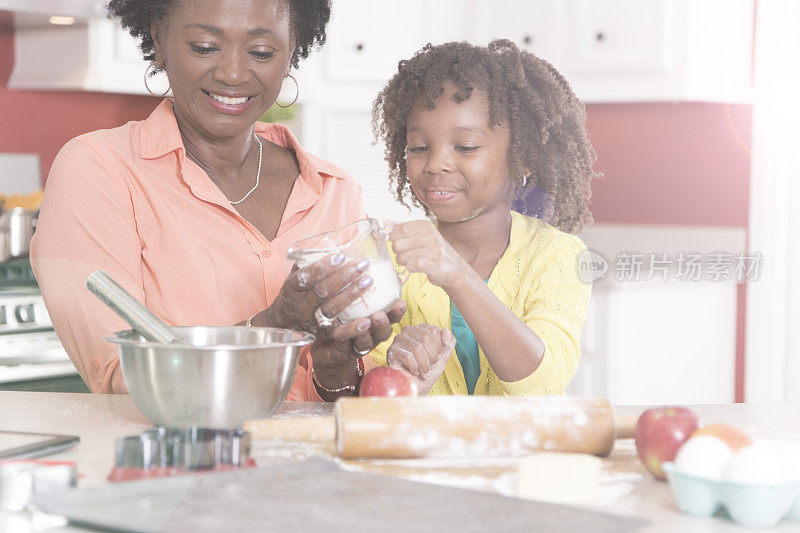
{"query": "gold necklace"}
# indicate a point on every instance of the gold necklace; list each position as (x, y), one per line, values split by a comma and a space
(258, 174)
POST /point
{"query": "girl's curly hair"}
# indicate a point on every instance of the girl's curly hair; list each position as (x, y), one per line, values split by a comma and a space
(308, 21)
(526, 93)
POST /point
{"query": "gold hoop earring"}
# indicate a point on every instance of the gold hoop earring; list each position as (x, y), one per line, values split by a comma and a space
(296, 96)
(147, 74)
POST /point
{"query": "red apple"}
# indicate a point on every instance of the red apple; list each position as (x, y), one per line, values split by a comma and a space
(659, 433)
(385, 381)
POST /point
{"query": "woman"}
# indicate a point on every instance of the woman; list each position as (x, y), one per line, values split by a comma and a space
(192, 209)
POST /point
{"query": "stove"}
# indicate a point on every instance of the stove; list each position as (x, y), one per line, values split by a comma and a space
(26, 332)
(31, 356)
(23, 310)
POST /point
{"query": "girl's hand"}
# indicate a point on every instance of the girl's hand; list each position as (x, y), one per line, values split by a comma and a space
(423, 350)
(330, 285)
(420, 247)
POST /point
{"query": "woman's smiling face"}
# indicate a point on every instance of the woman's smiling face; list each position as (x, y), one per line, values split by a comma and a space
(458, 163)
(226, 61)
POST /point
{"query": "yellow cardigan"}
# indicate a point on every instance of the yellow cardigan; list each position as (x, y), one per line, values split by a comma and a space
(537, 278)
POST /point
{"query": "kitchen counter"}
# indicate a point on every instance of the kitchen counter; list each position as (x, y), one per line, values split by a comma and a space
(100, 419)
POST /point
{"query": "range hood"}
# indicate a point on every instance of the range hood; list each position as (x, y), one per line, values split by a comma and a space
(97, 54)
(81, 9)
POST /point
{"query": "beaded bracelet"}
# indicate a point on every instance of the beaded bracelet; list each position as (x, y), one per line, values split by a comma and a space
(352, 388)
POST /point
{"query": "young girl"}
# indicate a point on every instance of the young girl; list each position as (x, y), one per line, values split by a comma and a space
(495, 304)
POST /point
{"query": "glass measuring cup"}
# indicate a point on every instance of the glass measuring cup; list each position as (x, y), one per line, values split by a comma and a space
(363, 239)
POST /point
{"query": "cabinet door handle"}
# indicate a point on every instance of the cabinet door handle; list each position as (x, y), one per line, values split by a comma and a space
(600, 37)
(359, 47)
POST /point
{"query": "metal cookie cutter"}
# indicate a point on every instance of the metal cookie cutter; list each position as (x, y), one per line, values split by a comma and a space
(167, 452)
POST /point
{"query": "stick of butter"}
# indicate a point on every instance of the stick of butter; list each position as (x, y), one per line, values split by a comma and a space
(567, 478)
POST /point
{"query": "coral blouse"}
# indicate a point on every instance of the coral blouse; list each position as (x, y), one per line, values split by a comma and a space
(129, 201)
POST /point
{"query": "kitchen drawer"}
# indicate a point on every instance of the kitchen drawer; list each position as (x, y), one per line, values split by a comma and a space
(607, 42)
(361, 48)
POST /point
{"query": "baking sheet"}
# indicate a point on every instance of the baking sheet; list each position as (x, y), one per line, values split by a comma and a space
(18, 445)
(314, 496)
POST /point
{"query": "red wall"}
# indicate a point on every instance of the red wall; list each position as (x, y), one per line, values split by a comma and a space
(41, 122)
(684, 164)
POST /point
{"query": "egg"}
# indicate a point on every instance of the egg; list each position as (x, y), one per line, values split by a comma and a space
(793, 467)
(704, 456)
(758, 464)
(790, 451)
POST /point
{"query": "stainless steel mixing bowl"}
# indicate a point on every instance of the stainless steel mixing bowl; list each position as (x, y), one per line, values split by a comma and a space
(219, 378)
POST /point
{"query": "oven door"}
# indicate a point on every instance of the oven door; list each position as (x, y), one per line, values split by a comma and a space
(36, 361)
(42, 377)
(31, 356)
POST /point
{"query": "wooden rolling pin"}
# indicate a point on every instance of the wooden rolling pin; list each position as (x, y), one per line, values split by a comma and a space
(457, 426)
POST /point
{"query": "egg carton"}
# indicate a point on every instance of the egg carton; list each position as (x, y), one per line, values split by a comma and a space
(748, 504)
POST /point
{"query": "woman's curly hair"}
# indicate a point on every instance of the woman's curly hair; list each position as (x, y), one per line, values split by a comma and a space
(308, 21)
(526, 93)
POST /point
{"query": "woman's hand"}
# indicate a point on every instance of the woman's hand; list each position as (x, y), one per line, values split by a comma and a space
(423, 350)
(334, 358)
(420, 247)
(330, 285)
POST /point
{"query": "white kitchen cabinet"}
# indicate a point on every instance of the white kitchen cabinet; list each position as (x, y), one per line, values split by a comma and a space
(361, 43)
(609, 50)
(654, 343)
(622, 37)
(658, 339)
(345, 137)
(365, 42)
(101, 57)
(339, 83)
(534, 25)
(633, 50)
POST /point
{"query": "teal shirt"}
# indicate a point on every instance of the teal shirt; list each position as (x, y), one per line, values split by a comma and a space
(466, 348)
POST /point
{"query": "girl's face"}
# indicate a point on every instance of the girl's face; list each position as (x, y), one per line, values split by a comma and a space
(458, 164)
(226, 61)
